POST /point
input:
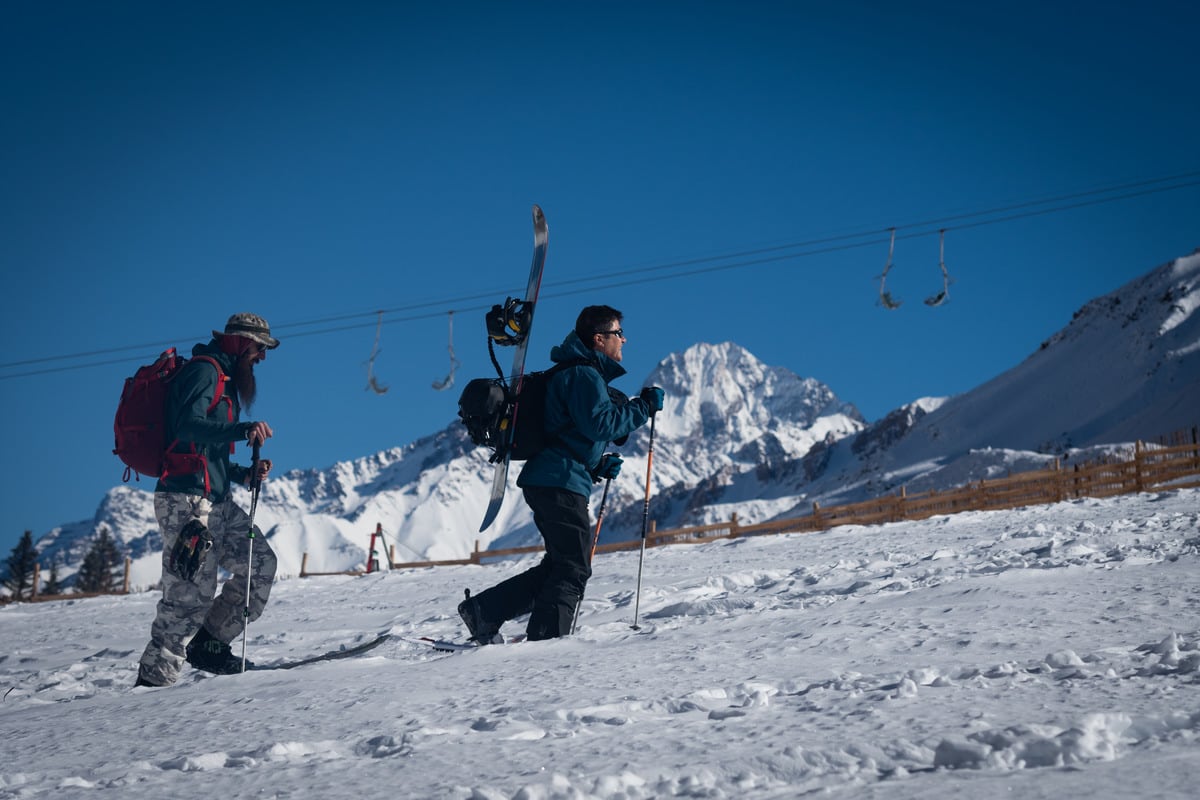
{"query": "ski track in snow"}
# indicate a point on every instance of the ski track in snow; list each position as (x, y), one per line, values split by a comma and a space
(1050, 651)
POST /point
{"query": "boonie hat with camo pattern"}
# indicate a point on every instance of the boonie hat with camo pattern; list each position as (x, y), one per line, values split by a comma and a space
(252, 326)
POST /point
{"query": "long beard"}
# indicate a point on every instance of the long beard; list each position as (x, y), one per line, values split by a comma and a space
(245, 383)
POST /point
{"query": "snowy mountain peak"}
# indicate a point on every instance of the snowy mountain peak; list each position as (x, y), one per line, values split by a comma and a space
(722, 394)
(1160, 305)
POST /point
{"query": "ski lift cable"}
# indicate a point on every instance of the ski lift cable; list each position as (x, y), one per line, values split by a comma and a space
(643, 278)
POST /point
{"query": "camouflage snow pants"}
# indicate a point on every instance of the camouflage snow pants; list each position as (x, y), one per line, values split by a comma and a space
(188, 604)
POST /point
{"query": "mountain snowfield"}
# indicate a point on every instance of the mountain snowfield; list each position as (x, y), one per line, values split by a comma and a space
(1045, 652)
(738, 436)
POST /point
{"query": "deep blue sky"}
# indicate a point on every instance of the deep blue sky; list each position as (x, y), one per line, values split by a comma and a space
(165, 165)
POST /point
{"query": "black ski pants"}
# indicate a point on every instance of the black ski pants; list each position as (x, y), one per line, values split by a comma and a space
(549, 591)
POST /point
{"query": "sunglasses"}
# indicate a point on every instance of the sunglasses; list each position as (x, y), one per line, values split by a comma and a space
(618, 332)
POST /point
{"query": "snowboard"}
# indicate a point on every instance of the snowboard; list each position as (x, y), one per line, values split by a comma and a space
(541, 235)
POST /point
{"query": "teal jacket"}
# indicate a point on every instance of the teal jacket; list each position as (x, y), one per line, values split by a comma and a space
(204, 437)
(581, 419)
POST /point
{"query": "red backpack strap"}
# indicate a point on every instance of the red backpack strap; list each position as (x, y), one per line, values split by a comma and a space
(218, 396)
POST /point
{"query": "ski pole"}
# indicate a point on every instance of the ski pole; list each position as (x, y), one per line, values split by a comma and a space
(599, 520)
(645, 524)
(255, 483)
(595, 541)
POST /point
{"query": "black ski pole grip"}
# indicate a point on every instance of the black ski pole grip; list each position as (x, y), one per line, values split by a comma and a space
(254, 458)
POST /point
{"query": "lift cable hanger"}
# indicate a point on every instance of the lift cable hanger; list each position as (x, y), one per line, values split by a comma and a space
(373, 384)
(448, 381)
(885, 297)
(944, 294)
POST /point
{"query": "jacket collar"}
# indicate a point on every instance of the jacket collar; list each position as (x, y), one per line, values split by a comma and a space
(573, 347)
(213, 350)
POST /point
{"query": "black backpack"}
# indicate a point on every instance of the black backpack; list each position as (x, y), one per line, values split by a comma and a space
(512, 424)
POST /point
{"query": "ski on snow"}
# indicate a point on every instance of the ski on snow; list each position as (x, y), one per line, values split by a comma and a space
(449, 646)
(446, 645)
(333, 655)
(541, 236)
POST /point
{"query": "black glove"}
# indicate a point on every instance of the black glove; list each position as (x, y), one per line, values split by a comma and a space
(608, 468)
(653, 396)
(193, 544)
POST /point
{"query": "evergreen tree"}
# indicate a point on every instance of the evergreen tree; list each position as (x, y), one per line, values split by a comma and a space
(20, 568)
(52, 583)
(97, 573)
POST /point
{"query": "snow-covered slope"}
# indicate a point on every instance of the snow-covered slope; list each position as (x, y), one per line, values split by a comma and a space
(1126, 367)
(1049, 652)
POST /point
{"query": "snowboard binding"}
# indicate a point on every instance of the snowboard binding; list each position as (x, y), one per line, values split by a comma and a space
(508, 324)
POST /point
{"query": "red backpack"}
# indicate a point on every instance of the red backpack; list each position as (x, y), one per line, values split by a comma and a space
(140, 426)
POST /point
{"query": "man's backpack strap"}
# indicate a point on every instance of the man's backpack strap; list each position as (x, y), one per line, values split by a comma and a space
(555, 436)
(559, 366)
(219, 394)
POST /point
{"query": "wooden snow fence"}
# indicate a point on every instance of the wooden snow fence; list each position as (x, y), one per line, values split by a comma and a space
(36, 597)
(1175, 464)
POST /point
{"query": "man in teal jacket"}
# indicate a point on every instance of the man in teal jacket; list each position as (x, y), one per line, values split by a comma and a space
(202, 528)
(581, 419)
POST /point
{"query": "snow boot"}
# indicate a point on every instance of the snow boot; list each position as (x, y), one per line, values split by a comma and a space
(208, 653)
(145, 679)
(482, 632)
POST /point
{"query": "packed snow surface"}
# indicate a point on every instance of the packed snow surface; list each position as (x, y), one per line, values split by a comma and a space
(1046, 652)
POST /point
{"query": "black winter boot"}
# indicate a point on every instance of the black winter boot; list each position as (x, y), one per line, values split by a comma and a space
(482, 632)
(208, 653)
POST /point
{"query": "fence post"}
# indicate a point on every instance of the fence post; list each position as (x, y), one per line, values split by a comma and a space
(733, 525)
(33, 590)
(304, 566)
(817, 516)
(372, 561)
(1138, 455)
(901, 505)
(125, 583)
(475, 558)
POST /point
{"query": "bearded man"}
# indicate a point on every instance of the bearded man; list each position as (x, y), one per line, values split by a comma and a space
(202, 528)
